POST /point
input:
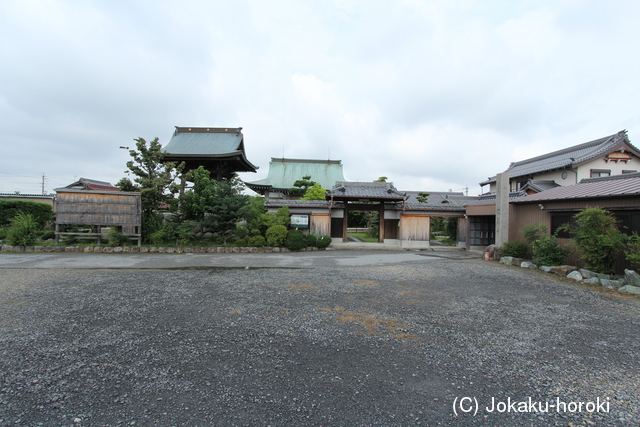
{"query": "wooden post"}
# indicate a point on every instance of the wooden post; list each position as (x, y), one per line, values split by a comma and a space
(345, 218)
(381, 223)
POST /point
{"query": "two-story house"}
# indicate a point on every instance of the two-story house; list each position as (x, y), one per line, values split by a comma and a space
(608, 156)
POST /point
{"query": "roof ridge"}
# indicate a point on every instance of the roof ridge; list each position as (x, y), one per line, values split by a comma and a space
(595, 142)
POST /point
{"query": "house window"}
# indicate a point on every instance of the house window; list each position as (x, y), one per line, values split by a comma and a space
(597, 173)
(629, 171)
(557, 221)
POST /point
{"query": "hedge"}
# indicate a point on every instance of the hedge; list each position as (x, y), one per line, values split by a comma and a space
(41, 212)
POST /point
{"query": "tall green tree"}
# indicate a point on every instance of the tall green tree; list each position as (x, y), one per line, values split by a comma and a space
(155, 179)
(220, 204)
(301, 186)
(314, 192)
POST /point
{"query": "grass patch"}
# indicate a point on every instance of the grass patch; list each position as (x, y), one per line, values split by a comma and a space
(365, 237)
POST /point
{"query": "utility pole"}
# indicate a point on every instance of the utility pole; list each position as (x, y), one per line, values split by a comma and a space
(43, 193)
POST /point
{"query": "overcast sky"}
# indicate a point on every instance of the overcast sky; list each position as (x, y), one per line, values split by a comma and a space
(435, 95)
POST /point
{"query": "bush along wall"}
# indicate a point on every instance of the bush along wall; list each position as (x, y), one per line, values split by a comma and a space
(42, 213)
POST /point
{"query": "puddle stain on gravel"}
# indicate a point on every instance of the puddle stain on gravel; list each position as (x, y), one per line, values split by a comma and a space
(373, 325)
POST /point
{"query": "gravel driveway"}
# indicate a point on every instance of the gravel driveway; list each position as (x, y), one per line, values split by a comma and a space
(415, 343)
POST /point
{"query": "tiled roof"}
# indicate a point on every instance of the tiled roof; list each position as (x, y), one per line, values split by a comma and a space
(207, 143)
(568, 157)
(540, 185)
(284, 172)
(91, 184)
(439, 198)
(612, 186)
(365, 190)
(491, 197)
(296, 203)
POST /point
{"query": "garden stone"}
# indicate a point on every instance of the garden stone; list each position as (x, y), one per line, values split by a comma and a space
(97, 249)
(88, 248)
(135, 249)
(162, 250)
(610, 284)
(592, 281)
(494, 251)
(516, 261)
(545, 268)
(28, 248)
(171, 249)
(38, 249)
(506, 260)
(48, 248)
(107, 249)
(208, 235)
(118, 249)
(562, 270)
(70, 249)
(58, 248)
(526, 264)
(632, 277)
(630, 289)
(588, 274)
(126, 249)
(575, 275)
(153, 249)
(144, 249)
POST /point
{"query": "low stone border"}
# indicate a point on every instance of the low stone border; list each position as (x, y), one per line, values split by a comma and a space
(629, 284)
(148, 249)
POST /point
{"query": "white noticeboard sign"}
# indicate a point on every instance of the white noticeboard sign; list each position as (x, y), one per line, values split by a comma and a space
(300, 221)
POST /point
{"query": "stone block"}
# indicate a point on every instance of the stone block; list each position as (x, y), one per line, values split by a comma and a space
(135, 249)
(28, 248)
(562, 270)
(126, 249)
(97, 249)
(108, 249)
(49, 248)
(588, 274)
(58, 248)
(630, 289)
(592, 281)
(528, 264)
(171, 249)
(516, 261)
(144, 249)
(70, 249)
(632, 277)
(610, 284)
(118, 249)
(506, 260)
(575, 275)
(88, 249)
(38, 248)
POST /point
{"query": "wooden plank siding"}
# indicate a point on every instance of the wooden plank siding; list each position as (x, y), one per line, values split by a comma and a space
(320, 224)
(415, 227)
(89, 208)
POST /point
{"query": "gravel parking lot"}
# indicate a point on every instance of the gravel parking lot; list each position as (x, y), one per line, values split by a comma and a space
(430, 341)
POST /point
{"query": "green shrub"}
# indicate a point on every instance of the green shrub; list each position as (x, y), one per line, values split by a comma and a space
(257, 241)
(515, 249)
(3, 232)
(533, 232)
(323, 242)
(116, 238)
(310, 239)
(24, 230)
(295, 240)
(241, 243)
(47, 235)
(547, 251)
(42, 213)
(276, 235)
(598, 239)
(632, 250)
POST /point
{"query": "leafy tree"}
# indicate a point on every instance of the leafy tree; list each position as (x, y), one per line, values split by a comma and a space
(422, 197)
(533, 232)
(154, 178)
(315, 192)
(276, 235)
(381, 179)
(597, 237)
(547, 251)
(300, 186)
(220, 204)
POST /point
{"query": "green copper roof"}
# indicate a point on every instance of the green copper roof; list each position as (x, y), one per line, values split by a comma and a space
(284, 172)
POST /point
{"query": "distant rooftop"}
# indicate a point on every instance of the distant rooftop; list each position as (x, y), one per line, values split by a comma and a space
(284, 172)
(90, 185)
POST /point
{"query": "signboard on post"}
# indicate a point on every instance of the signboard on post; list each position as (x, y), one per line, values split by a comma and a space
(299, 221)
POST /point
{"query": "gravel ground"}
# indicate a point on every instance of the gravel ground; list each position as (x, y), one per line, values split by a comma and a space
(343, 346)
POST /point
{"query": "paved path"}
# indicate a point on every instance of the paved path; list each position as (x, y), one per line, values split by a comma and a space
(331, 258)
